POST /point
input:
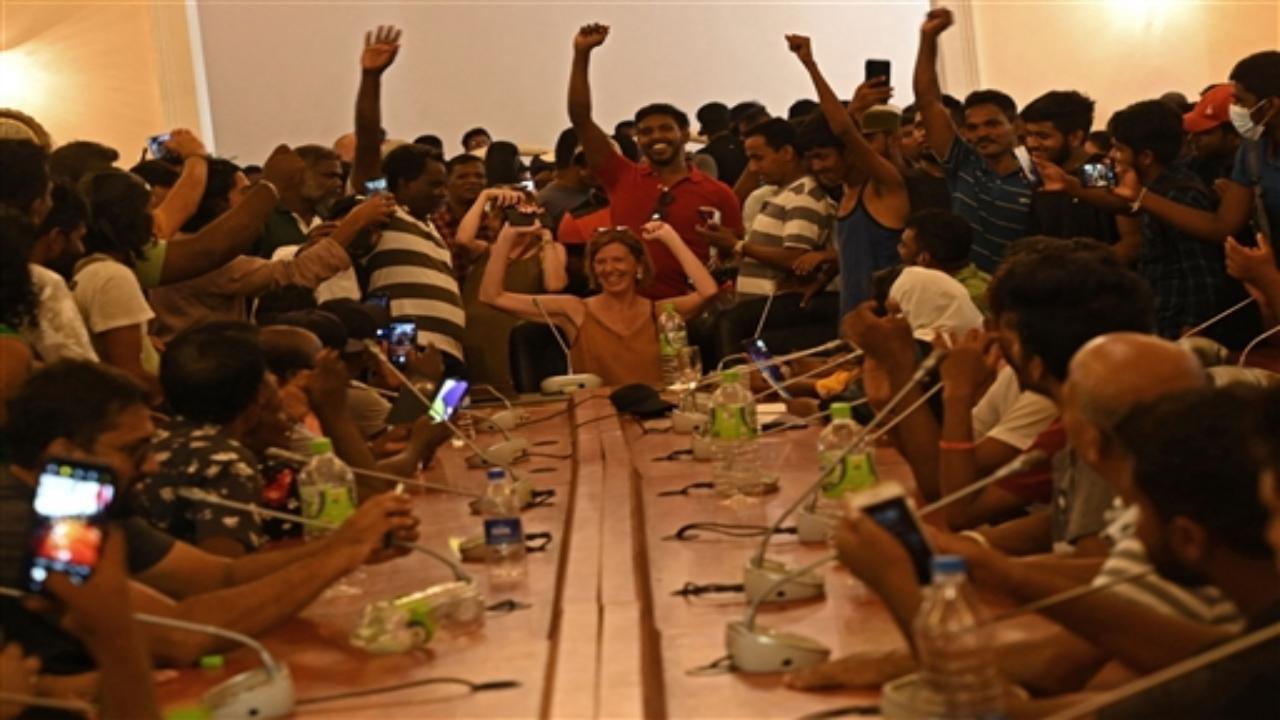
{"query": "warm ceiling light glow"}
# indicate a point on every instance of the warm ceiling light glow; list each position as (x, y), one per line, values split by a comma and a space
(21, 82)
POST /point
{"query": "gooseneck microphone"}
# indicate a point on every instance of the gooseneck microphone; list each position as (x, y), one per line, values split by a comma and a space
(262, 693)
(298, 458)
(760, 574)
(572, 382)
(1020, 464)
(757, 649)
(208, 498)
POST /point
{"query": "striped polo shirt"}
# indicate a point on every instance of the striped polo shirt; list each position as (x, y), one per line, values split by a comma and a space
(998, 207)
(799, 215)
(414, 267)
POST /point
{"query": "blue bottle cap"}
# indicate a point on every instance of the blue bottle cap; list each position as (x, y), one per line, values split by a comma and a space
(495, 474)
(948, 564)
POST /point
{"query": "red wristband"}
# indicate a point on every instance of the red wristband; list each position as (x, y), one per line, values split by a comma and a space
(956, 445)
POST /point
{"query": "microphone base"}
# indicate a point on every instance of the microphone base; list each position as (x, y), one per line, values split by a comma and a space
(687, 423)
(757, 580)
(764, 650)
(569, 384)
(506, 452)
(500, 421)
(255, 694)
(814, 526)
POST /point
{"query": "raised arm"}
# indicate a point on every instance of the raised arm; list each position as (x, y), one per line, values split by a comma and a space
(565, 308)
(595, 141)
(553, 258)
(183, 199)
(380, 49)
(234, 231)
(858, 152)
(704, 286)
(940, 131)
(469, 225)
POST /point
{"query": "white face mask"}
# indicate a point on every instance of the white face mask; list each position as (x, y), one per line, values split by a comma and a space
(1242, 119)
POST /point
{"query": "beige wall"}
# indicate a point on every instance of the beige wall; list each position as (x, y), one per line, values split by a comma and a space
(105, 71)
(1116, 51)
(117, 72)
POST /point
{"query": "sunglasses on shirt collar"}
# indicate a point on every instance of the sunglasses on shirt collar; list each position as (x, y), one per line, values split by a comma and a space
(664, 200)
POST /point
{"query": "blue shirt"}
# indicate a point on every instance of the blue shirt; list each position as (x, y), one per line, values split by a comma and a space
(998, 207)
(865, 247)
(1267, 175)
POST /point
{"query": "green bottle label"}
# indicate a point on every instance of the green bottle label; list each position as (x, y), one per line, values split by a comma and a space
(857, 471)
(731, 423)
(336, 506)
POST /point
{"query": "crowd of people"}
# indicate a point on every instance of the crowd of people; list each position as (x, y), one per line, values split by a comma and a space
(174, 321)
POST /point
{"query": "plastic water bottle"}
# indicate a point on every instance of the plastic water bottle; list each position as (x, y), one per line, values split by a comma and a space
(327, 488)
(503, 531)
(736, 466)
(672, 337)
(957, 665)
(836, 445)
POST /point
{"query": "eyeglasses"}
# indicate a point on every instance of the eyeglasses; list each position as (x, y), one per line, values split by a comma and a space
(615, 228)
(664, 199)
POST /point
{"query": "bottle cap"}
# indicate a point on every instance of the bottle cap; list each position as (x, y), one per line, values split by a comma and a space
(668, 307)
(189, 712)
(730, 376)
(321, 446)
(948, 564)
(841, 411)
(212, 662)
(496, 474)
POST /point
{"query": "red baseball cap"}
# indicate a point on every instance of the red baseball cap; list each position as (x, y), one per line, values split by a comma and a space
(1211, 111)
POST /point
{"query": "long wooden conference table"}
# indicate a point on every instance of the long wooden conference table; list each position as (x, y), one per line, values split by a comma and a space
(603, 636)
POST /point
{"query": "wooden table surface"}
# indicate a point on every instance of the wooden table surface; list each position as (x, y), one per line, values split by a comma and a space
(604, 636)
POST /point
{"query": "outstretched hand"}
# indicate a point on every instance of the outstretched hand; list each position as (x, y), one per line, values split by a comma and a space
(1250, 264)
(590, 37)
(380, 49)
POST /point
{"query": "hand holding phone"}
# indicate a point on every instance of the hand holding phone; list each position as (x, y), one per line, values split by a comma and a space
(71, 512)
(887, 505)
(155, 145)
(375, 186)
(877, 70)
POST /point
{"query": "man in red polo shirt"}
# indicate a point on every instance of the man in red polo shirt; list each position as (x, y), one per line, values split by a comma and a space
(666, 186)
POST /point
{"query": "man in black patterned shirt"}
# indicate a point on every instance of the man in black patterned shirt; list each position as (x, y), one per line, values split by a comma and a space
(216, 383)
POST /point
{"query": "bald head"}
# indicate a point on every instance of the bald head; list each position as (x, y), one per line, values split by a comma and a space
(289, 349)
(1113, 373)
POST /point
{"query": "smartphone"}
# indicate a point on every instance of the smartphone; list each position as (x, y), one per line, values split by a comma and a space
(528, 185)
(710, 216)
(888, 505)
(71, 505)
(375, 186)
(878, 69)
(1029, 170)
(155, 144)
(763, 360)
(402, 336)
(1098, 174)
(447, 399)
(518, 216)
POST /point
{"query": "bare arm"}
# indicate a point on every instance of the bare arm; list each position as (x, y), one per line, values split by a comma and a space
(234, 231)
(122, 347)
(941, 132)
(1139, 637)
(559, 307)
(424, 438)
(1230, 217)
(183, 198)
(1256, 267)
(858, 152)
(258, 605)
(595, 142)
(469, 225)
(15, 366)
(380, 49)
(186, 570)
(553, 259)
(704, 286)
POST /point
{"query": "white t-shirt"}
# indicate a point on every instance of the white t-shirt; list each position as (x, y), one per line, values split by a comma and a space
(108, 296)
(59, 333)
(1010, 414)
(342, 285)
